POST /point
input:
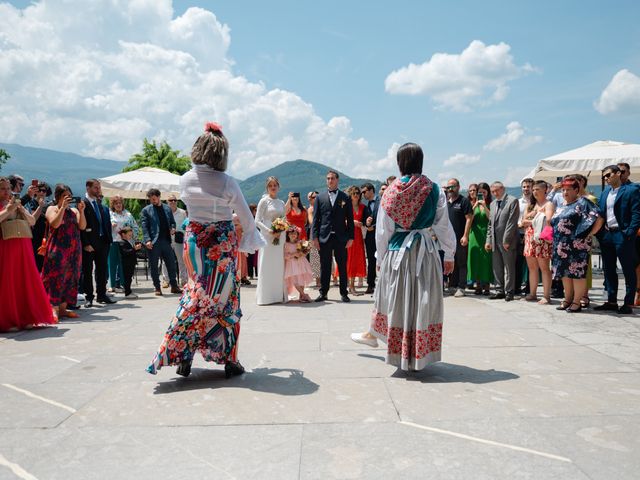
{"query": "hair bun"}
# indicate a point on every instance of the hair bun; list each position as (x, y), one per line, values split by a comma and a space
(212, 127)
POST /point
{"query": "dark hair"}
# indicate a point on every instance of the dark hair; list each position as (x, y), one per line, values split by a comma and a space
(153, 192)
(390, 179)
(45, 186)
(14, 179)
(410, 158)
(211, 148)
(625, 165)
(367, 185)
(582, 179)
(60, 189)
(469, 188)
(485, 186)
(91, 181)
(532, 199)
(292, 229)
(527, 180)
(125, 229)
(613, 168)
(300, 204)
(334, 172)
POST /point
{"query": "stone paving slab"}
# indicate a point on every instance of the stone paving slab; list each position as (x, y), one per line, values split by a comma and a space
(523, 391)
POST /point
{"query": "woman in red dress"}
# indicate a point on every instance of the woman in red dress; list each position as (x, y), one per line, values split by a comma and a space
(296, 213)
(356, 266)
(23, 300)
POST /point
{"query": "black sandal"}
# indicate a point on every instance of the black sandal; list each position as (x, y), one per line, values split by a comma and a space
(571, 310)
(233, 368)
(585, 302)
(563, 305)
(184, 368)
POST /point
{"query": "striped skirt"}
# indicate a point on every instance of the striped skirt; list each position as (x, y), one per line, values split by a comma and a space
(208, 317)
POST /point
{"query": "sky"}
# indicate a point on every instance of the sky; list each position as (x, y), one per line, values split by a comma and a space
(486, 88)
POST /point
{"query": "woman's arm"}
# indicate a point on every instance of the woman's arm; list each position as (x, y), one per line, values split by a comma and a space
(549, 210)
(597, 226)
(27, 216)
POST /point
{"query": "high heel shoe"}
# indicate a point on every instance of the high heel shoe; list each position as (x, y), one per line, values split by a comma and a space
(571, 310)
(233, 368)
(585, 302)
(563, 305)
(184, 369)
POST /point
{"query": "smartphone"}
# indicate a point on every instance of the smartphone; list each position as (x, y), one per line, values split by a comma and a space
(559, 179)
(16, 195)
(75, 201)
(34, 182)
(480, 196)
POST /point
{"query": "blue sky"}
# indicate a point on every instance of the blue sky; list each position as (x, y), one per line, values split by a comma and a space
(496, 85)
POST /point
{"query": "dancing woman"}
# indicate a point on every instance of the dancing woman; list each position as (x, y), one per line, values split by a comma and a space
(408, 304)
(208, 316)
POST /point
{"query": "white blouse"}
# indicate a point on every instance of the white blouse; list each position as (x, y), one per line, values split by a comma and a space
(212, 196)
(442, 229)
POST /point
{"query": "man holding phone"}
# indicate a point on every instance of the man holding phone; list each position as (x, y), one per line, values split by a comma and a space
(461, 218)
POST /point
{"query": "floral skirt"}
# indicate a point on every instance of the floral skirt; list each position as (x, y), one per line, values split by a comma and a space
(208, 317)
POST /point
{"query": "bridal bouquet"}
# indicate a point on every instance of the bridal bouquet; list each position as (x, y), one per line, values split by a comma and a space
(277, 226)
(304, 247)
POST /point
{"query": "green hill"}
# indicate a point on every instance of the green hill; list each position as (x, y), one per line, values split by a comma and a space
(296, 176)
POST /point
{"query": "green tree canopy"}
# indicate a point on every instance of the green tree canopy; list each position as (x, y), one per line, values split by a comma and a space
(4, 156)
(162, 156)
(152, 155)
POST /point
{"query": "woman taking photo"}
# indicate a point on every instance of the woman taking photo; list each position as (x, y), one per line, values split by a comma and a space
(479, 266)
(356, 264)
(271, 287)
(23, 299)
(537, 250)
(63, 256)
(408, 300)
(120, 218)
(573, 224)
(208, 317)
(296, 213)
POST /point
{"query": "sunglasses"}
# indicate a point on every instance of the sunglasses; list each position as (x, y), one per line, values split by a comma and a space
(172, 201)
(607, 175)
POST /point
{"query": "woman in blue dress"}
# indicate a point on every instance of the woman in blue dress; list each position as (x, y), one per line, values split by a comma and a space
(573, 224)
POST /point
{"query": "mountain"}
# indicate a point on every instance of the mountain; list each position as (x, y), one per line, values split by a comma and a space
(56, 167)
(296, 176)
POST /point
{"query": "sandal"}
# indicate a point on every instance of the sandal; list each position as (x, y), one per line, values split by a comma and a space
(531, 298)
(69, 314)
(563, 305)
(544, 301)
(574, 310)
(585, 302)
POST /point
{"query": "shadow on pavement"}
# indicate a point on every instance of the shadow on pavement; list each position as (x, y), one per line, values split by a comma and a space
(36, 333)
(269, 380)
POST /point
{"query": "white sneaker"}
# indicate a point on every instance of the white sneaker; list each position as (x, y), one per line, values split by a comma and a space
(359, 338)
(131, 296)
(459, 293)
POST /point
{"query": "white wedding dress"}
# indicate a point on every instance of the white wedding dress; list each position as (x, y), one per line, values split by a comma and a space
(271, 287)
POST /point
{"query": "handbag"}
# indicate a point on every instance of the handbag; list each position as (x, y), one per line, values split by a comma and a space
(547, 234)
(178, 237)
(42, 249)
(16, 228)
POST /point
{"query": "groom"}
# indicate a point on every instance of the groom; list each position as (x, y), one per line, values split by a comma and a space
(332, 232)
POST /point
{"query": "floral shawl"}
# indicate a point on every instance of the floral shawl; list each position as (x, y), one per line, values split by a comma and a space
(402, 201)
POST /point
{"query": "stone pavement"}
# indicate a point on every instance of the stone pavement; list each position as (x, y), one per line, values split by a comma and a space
(523, 391)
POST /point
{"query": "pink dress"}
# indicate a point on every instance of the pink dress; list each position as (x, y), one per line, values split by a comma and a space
(297, 271)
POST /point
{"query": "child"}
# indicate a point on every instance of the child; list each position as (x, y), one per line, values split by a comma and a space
(297, 269)
(128, 255)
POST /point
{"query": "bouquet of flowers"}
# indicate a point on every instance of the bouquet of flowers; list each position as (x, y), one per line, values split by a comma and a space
(277, 226)
(304, 247)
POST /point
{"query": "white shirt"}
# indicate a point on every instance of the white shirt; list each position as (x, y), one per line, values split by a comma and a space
(333, 196)
(524, 203)
(611, 216)
(442, 229)
(212, 196)
(179, 216)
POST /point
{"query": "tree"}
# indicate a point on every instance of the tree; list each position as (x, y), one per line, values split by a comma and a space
(159, 157)
(152, 155)
(4, 156)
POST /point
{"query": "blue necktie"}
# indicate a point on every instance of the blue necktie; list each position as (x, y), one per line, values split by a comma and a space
(97, 209)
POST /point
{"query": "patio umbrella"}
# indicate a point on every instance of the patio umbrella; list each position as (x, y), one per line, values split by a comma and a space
(136, 183)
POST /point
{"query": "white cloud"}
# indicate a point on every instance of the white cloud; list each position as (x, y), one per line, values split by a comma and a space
(514, 137)
(97, 77)
(621, 95)
(461, 159)
(460, 82)
(515, 175)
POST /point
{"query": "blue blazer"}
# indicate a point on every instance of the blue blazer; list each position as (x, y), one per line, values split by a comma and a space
(151, 223)
(626, 208)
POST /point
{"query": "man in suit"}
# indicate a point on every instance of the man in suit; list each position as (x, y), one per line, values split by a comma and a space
(371, 202)
(158, 225)
(332, 233)
(502, 239)
(620, 206)
(96, 241)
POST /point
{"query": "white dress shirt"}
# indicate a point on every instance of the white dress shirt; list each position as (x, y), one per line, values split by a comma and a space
(611, 216)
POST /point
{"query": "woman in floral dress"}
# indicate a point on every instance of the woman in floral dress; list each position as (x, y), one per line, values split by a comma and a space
(208, 317)
(63, 257)
(573, 224)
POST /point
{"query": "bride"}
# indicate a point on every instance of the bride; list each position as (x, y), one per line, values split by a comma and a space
(271, 258)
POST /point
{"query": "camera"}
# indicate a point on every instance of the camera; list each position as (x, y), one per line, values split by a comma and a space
(295, 194)
(16, 196)
(75, 201)
(480, 196)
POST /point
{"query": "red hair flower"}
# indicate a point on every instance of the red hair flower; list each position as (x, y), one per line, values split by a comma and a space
(212, 127)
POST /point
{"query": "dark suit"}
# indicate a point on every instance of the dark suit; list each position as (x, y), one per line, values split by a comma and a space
(97, 235)
(161, 246)
(619, 243)
(332, 227)
(371, 210)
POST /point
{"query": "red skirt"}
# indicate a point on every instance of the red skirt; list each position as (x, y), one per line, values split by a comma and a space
(23, 301)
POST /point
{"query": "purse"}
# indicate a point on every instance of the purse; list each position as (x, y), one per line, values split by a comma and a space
(547, 234)
(16, 228)
(42, 249)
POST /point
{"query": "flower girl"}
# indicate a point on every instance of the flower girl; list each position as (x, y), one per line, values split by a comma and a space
(297, 269)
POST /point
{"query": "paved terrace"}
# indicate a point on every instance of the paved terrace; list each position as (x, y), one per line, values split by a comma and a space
(523, 391)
